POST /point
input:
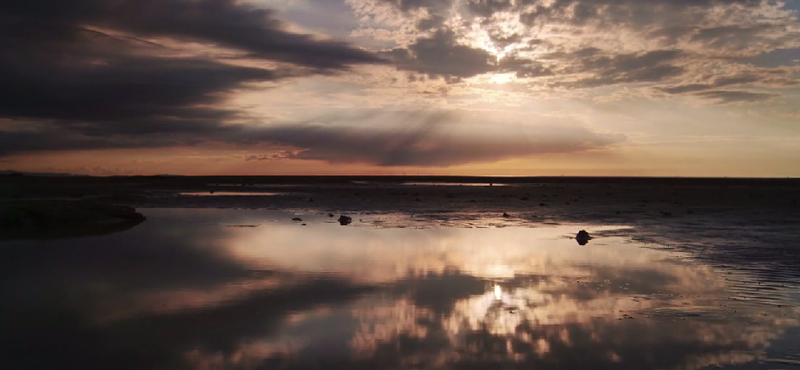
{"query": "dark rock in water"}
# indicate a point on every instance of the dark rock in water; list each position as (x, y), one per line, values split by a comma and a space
(211, 192)
(345, 220)
(330, 214)
(297, 219)
(582, 237)
(506, 215)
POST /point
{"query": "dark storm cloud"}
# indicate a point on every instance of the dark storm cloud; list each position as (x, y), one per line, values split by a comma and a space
(81, 74)
(441, 55)
(70, 80)
(78, 88)
(52, 67)
(222, 22)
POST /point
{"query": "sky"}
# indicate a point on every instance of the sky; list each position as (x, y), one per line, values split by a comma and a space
(393, 87)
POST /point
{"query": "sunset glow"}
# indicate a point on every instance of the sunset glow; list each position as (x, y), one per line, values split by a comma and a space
(392, 87)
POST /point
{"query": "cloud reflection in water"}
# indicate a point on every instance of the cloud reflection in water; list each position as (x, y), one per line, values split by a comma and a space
(185, 292)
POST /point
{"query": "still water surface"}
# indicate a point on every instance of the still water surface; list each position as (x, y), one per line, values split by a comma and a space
(237, 289)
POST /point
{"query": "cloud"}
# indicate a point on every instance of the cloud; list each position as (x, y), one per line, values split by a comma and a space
(79, 88)
(737, 96)
(442, 55)
(225, 23)
(436, 139)
(426, 138)
(281, 154)
(103, 85)
(713, 87)
(429, 5)
(652, 66)
(84, 75)
(96, 74)
(578, 44)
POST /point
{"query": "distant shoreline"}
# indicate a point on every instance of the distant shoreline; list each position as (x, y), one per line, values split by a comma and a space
(394, 179)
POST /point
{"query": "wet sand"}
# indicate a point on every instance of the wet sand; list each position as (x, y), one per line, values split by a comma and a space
(749, 222)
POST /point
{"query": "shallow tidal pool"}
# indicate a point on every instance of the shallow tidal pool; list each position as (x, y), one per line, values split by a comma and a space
(251, 289)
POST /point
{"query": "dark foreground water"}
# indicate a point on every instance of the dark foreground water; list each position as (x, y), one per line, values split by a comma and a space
(235, 289)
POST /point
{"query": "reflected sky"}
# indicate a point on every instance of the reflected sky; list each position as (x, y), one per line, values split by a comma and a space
(238, 289)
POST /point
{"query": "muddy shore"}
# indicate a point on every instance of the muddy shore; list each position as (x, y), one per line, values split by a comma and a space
(745, 221)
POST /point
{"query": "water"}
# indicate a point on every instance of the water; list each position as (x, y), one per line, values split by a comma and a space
(238, 289)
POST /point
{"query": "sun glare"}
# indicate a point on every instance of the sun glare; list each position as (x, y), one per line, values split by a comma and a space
(501, 78)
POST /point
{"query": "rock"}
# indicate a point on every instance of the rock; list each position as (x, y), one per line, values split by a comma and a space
(582, 237)
(506, 215)
(345, 220)
(297, 219)
(330, 214)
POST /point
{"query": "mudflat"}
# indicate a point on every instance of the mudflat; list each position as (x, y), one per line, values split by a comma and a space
(427, 273)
